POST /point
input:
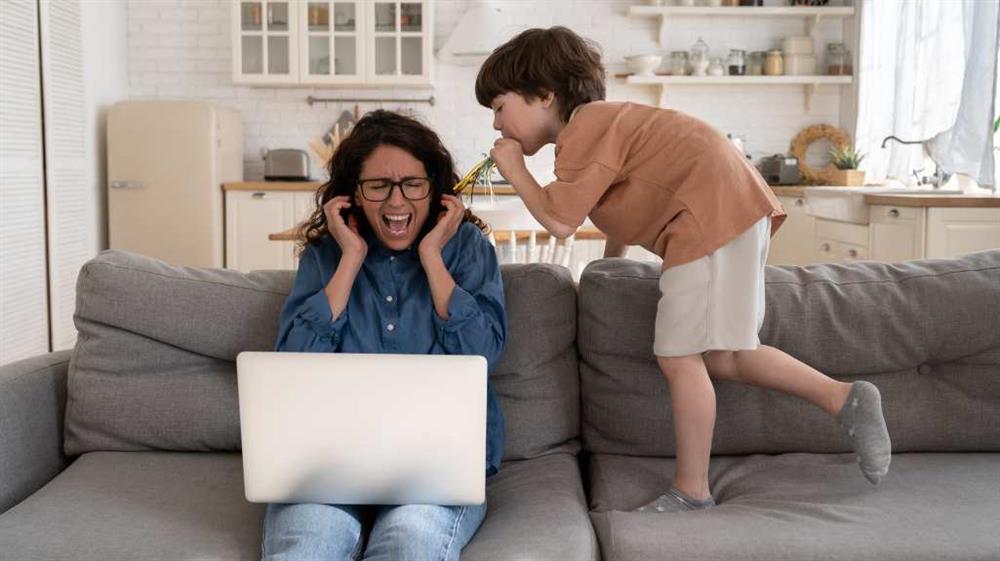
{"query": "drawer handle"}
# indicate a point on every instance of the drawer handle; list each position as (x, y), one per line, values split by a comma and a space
(799, 202)
(825, 247)
(258, 195)
(853, 253)
(894, 213)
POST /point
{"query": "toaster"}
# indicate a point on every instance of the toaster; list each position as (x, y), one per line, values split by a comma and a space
(286, 164)
(780, 170)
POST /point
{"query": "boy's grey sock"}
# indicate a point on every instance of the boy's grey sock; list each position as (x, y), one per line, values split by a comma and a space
(862, 420)
(675, 501)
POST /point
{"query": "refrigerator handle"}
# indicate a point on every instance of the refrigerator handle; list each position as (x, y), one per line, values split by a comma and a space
(127, 185)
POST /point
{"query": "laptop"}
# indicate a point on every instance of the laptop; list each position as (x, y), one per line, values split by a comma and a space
(338, 428)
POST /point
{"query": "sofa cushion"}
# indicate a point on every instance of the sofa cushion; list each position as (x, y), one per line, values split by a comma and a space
(110, 506)
(536, 511)
(804, 506)
(153, 366)
(923, 331)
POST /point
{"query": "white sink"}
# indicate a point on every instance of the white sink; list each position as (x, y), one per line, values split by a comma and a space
(847, 204)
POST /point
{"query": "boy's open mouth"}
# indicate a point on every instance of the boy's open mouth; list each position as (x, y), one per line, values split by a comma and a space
(397, 225)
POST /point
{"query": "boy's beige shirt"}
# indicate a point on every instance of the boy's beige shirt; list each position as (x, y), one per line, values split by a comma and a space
(656, 178)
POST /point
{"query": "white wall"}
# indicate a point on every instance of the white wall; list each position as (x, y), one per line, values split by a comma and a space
(105, 63)
(180, 49)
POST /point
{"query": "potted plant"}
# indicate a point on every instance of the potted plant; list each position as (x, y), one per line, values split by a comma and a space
(845, 160)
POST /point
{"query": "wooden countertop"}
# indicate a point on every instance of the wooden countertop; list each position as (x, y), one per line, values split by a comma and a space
(307, 186)
(502, 189)
(965, 200)
(292, 234)
(789, 190)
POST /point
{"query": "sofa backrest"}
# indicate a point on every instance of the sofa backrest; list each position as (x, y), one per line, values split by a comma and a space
(153, 367)
(927, 333)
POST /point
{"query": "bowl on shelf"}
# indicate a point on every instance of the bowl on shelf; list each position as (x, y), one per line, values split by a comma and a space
(643, 65)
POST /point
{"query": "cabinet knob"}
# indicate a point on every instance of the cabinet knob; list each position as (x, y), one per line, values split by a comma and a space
(799, 202)
(825, 247)
(258, 195)
(894, 213)
(853, 253)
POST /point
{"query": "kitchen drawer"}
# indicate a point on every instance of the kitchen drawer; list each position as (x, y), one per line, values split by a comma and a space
(833, 251)
(883, 212)
(855, 234)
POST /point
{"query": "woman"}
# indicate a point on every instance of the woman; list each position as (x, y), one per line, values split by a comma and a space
(391, 263)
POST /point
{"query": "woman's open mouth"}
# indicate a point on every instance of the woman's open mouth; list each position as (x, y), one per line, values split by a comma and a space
(397, 225)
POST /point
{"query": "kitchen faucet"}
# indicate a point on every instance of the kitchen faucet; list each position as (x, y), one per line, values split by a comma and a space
(940, 176)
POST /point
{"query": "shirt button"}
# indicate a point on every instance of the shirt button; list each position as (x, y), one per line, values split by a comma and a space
(392, 258)
(388, 298)
(390, 327)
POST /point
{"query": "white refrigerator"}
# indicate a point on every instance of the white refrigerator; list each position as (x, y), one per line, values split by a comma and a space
(167, 161)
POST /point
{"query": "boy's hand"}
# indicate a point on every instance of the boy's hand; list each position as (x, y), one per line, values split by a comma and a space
(508, 155)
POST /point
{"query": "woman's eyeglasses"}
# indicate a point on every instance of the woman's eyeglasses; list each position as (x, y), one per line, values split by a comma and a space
(379, 189)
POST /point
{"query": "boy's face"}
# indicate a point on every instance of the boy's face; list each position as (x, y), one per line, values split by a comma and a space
(533, 123)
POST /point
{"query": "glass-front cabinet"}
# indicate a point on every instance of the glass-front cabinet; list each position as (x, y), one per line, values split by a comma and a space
(332, 50)
(399, 42)
(266, 40)
(333, 42)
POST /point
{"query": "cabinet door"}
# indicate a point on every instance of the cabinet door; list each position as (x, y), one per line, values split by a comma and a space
(399, 35)
(957, 231)
(793, 243)
(250, 218)
(897, 233)
(332, 48)
(265, 42)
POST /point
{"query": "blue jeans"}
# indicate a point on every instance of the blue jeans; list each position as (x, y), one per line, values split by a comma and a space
(319, 532)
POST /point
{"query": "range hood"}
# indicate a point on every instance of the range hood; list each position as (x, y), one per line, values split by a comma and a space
(483, 27)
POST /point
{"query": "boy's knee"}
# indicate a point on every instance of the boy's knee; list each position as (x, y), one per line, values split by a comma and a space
(722, 364)
(680, 365)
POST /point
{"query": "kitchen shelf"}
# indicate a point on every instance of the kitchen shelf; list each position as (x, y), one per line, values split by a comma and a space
(809, 83)
(812, 14)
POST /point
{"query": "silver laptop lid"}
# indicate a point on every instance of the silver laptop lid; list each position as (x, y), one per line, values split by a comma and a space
(341, 428)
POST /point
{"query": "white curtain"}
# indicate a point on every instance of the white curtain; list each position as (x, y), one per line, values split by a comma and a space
(927, 70)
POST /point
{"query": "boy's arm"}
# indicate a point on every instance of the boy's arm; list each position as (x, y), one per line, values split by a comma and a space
(614, 248)
(534, 198)
(509, 158)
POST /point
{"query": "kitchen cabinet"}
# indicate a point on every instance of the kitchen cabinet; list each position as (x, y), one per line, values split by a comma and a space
(897, 233)
(956, 231)
(265, 42)
(355, 43)
(251, 216)
(793, 242)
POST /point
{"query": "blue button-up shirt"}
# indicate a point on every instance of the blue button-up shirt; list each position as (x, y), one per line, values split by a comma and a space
(390, 310)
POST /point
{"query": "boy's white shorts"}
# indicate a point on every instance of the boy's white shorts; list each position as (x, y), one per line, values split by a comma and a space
(716, 302)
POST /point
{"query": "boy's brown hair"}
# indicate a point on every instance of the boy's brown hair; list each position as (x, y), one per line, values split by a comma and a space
(538, 61)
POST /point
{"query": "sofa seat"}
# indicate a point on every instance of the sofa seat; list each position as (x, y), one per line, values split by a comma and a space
(801, 507)
(537, 511)
(111, 506)
(118, 506)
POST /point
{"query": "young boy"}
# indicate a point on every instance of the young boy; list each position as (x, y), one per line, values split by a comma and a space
(672, 184)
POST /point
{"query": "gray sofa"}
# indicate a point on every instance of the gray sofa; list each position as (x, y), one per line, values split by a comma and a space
(128, 446)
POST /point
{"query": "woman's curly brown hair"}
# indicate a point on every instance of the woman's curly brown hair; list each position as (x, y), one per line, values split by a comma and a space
(373, 130)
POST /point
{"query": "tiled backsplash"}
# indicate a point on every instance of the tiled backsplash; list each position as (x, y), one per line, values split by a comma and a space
(180, 49)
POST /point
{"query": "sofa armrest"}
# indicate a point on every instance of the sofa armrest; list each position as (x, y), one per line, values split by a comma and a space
(32, 402)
